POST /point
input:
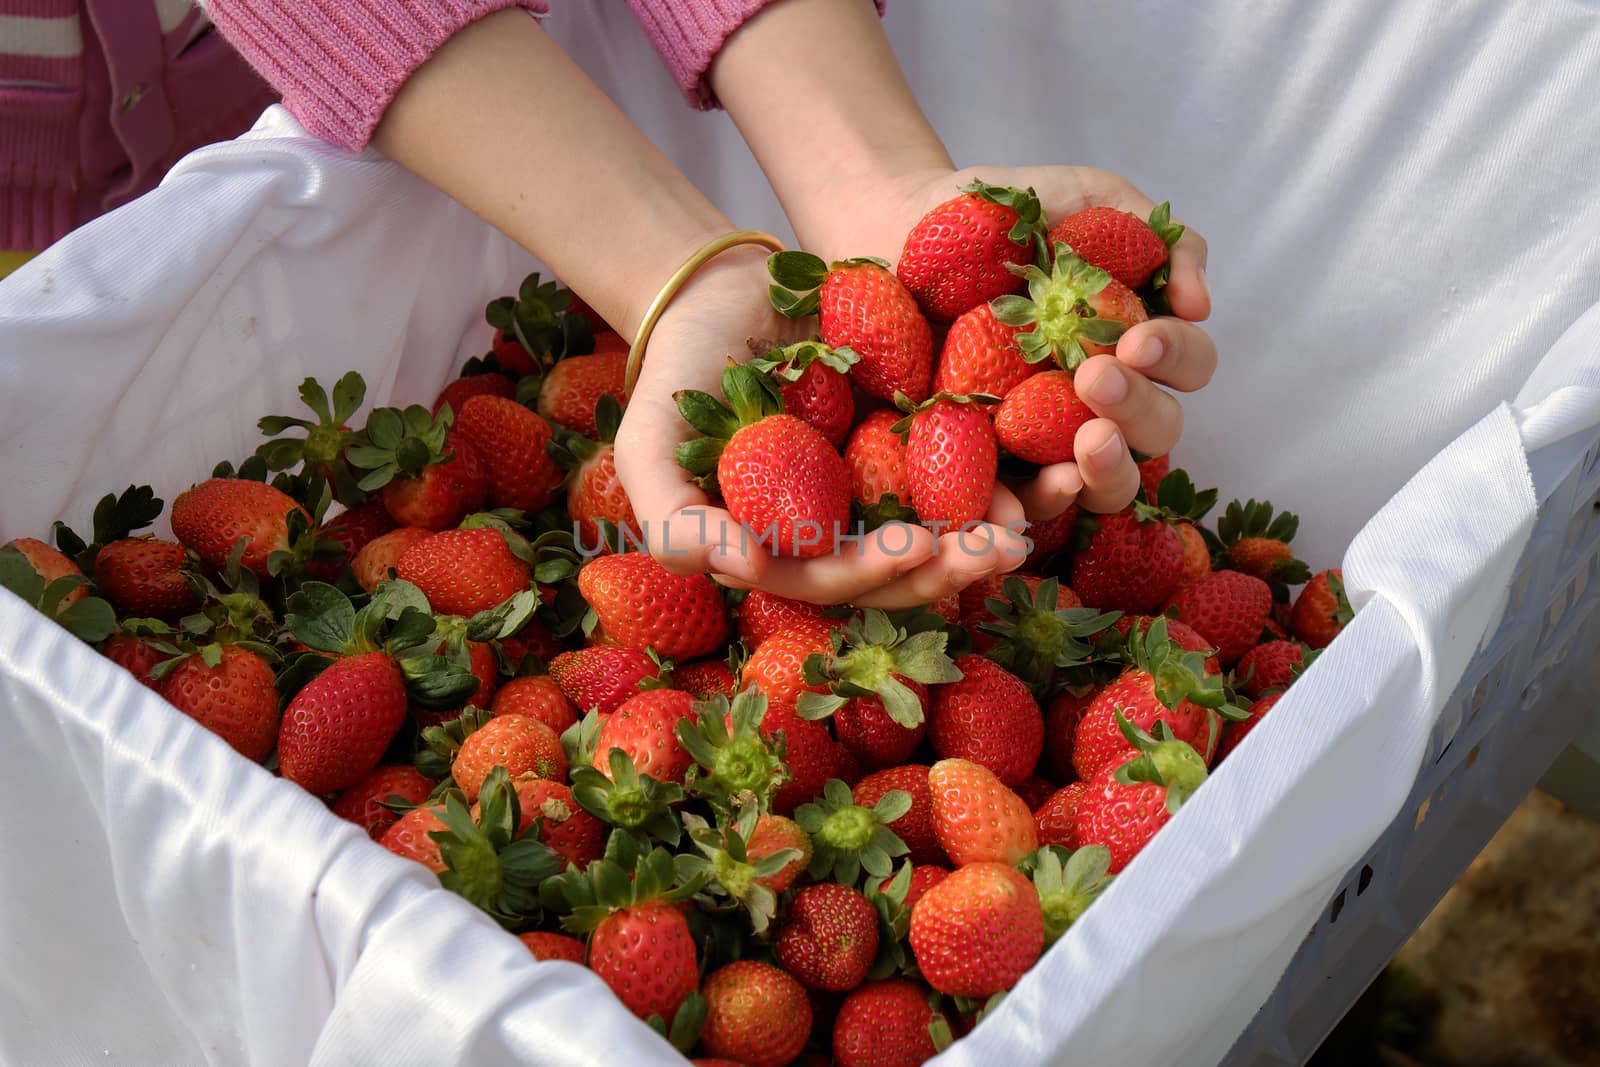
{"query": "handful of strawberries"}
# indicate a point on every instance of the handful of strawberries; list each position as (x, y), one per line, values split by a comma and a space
(774, 829)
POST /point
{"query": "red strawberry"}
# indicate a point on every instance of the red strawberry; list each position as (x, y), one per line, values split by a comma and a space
(773, 834)
(1117, 304)
(1060, 725)
(519, 744)
(1196, 554)
(134, 655)
(779, 477)
(534, 639)
(775, 667)
(237, 699)
(761, 614)
(463, 572)
(1238, 731)
(382, 554)
(566, 829)
(1098, 743)
(594, 492)
(647, 956)
(1228, 608)
(140, 576)
(915, 827)
(641, 604)
(1034, 791)
(536, 696)
(923, 878)
(884, 1024)
(876, 458)
(951, 459)
(336, 728)
(1255, 539)
(512, 356)
(811, 754)
(512, 441)
(1151, 471)
(960, 254)
(214, 515)
(865, 308)
(1271, 665)
(1179, 633)
(409, 837)
(1129, 563)
(988, 717)
(975, 817)
(548, 946)
(755, 1014)
(1076, 310)
(706, 678)
(977, 931)
(442, 493)
(51, 564)
(352, 531)
(643, 727)
(866, 729)
(1125, 805)
(980, 355)
(1050, 536)
(363, 803)
(812, 380)
(461, 390)
(575, 385)
(830, 938)
(1119, 242)
(1057, 815)
(1321, 610)
(602, 677)
(1039, 418)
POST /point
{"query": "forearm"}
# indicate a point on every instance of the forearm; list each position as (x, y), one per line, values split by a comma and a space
(503, 121)
(820, 98)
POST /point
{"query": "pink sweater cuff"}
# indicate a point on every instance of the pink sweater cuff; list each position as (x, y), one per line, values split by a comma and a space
(338, 64)
(688, 34)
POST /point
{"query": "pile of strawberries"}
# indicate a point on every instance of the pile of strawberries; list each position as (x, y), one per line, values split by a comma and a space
(775, 829)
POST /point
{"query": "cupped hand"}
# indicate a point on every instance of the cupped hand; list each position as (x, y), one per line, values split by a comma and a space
(1122, 389)
(708, 323)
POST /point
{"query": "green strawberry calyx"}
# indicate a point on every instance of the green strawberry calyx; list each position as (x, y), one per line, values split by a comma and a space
(799, 276)
(1057, 306)
(847, 838)
(321, 449)
(1343, 612)
(751, 396)
(116, 516)
(485, 861)
(1254, 519)
(888, 897)
(731, 876)
(604, 887)
(734, 761)
(572, 450)
(788, 362)
(1178, 673)
(628, 799)
(539, 317)
(913, 408)
(1036, 637)
(1067, 882)
(399, 443)
(1031, 223)
(871, 655)
(1170, 233)
(90, 619)
(1162, 760)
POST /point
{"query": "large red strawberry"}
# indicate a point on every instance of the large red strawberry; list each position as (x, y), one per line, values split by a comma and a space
(213, 516)
(641, 604)
(885, 1024)
(336, 728)
(352, 531)
(382, 554)
(988, 717)
(463, 572)
(865, 308)
(1131, 561)
(915, 827)
(647, 956)
(235, 698)
(961, 254)
(538, 696)
(829, 939)
(512, 441)
(981, 355)
(1228, 608)
(364, 802)
(461, 390)
(603, 676)
(573, 387)
(975, 817)
(761, 614)
(1040, 417)
(756, 1014)
(812, 379)
(519, 744)
(1120, 243)
(777, 666)
(1056, 817)
(442, 493)
(411, 837)
(1270, 665)
(978, 930)
(1076, 311)
(1125, 804)
(779, 477)
(1322, 609)
(142, 576)
(644, 727)
(951, 459)
(876, 458)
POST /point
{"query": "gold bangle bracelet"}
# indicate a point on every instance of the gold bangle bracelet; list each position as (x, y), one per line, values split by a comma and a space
(709, 251)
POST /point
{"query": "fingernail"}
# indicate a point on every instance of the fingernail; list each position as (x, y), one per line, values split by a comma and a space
(1147, 354)
(1108, 452)
(725, 560)
(1110, 388)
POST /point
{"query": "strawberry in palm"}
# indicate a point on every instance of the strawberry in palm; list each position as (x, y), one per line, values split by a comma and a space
(876, 458)
(951, 460)
(862, 306)
(981, 355)
(811, 378)
(1040, 418)
(1120, 243)
(779, 477)
(961, 254)
(1076, 311)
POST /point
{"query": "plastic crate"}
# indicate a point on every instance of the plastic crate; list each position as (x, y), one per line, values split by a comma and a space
(1501, 729)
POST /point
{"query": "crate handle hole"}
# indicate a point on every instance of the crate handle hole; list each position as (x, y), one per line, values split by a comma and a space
(1338, 906)
(1365, 879)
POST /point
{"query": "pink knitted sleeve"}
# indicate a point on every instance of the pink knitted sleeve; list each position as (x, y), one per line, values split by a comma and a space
(688, 34)
(338, 63)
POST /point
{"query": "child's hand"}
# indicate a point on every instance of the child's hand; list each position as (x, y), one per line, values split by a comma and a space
(708, 323)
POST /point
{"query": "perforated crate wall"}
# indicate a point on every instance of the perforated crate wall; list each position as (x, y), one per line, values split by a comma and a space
(1497, 735)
